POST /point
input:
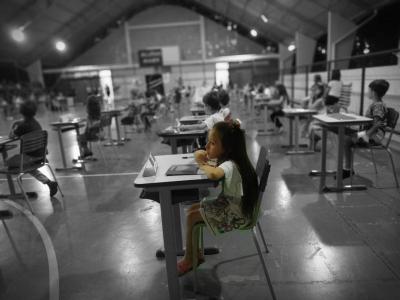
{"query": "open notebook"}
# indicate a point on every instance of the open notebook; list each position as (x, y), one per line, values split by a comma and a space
(187, 169)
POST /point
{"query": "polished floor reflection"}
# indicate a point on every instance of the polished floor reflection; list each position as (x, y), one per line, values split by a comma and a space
(331, 246)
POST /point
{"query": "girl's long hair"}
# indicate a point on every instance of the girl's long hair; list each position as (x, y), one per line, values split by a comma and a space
(234, 144)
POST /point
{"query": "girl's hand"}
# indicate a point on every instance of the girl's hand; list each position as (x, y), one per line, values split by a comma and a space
(201, 157)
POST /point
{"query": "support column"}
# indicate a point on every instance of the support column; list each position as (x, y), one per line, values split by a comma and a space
(339, 42)
(305, 48)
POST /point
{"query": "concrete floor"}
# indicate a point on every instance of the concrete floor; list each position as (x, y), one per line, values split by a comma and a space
(332, 246)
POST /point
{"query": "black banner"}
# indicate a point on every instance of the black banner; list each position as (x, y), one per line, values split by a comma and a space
(150, 58)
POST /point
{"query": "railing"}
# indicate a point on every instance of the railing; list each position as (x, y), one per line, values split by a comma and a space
(362, 62)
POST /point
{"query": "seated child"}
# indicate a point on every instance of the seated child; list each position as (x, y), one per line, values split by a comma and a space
(224, 101)
(372, 134)
(234, 207)
(92, 130)
(277, 105)
(212, 107)
(19, 128)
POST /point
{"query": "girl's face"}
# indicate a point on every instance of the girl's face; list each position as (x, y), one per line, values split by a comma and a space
(214, 147)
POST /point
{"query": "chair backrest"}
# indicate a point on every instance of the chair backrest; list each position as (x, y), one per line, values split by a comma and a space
(392, 117)
(263, 168)
(345, 95)
(33, 145)
(260, 161)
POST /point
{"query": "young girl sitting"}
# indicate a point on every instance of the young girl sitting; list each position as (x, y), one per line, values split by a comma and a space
(233, 208)
(93, 109)
(277, 104)
(374, 133)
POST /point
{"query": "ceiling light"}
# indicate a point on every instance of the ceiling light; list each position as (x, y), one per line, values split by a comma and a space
(291, 47)
(18, 35)
(264, 18)
(253, 32)
(60, 46)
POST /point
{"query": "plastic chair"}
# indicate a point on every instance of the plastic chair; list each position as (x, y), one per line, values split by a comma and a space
(35, 141)
(345, 96)
(392, 117)
(262, 169)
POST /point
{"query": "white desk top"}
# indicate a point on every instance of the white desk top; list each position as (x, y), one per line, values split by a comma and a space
(193, 118)
(67, 121)
(299, 111)
(171, 131)
(164, 163)
(6, 139)
(342, 119)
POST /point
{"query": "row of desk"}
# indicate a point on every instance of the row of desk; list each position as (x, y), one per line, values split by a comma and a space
(165, 185)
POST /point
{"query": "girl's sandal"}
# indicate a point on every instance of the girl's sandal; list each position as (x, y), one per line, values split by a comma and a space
(185, 267)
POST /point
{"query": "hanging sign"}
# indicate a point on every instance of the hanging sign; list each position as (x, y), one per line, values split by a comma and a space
(150, 58)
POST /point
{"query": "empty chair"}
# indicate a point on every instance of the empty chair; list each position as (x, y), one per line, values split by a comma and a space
(345, 96)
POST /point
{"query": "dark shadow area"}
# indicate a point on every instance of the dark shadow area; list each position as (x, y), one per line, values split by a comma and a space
(328, 225)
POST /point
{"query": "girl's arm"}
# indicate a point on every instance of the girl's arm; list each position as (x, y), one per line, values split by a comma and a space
(377, 123)
(213, 173)
(365, 134)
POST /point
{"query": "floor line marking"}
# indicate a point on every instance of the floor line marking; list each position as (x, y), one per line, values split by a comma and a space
(85, 175)
(54, 284)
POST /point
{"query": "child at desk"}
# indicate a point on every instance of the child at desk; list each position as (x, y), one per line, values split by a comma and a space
(21, 127)
(224, 101)
(93, 109)
(212, 105)
(372, 134)
(234, 207)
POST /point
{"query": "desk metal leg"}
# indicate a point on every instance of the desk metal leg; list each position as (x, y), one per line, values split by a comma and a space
(339, 175)
(119, 141)
(323, 161)
(174, 147)
(110, 141)
(60, 141)
(296, 138)
(169, 236)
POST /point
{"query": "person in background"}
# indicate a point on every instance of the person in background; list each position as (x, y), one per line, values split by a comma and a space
(224, 102)
(333, 91)
(234, 207)
(372, 134)
(281, 98)
(212, 104)
(317, 91)
(148, 109)
(92, 130)
(19, 128)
